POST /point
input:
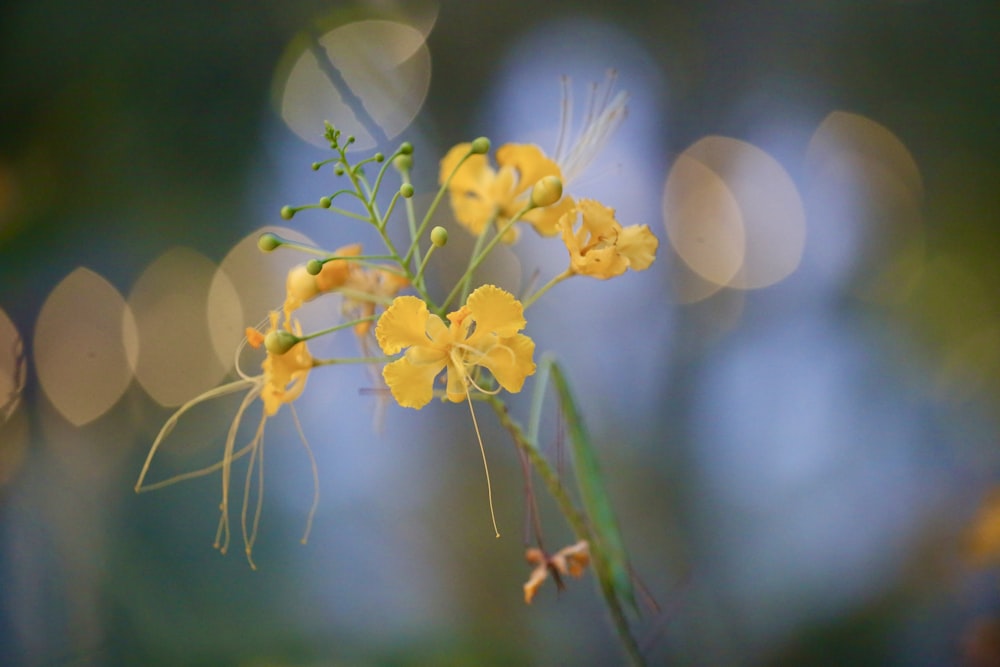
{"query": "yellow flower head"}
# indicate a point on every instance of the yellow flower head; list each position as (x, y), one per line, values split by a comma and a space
(302, 286)
(483, 333)
(600, 247)
(285, 370)
(284, 374)
(480, 193)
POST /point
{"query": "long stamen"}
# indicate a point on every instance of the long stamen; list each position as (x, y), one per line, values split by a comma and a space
(489, 487)
(315, 473)
(565, 118)
(256, 457)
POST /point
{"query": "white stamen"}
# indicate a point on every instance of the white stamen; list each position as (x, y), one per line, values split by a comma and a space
(604, 114)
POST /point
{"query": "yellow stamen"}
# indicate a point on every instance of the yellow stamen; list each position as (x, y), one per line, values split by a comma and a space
(489, 488)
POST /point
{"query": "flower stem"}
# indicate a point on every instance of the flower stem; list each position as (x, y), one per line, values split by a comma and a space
(574, 517)
(482, 255)
(345, 325)
(546, 287)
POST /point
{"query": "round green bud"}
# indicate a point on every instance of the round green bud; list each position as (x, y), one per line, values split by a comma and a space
(350, 139)
(338, 169)
(280, 341)
(316, 166)
(403, 162)
(379, 157)
(406, 148)
(546, 191)
(439, 236)
(287, 212)
(313, 267)
(481, 146)
(406, 190)
(268, 242)
(324, 202)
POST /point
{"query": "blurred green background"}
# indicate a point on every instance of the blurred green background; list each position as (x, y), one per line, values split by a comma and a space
(795, 451)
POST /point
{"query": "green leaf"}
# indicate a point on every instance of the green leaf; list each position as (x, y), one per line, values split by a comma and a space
(608, 549)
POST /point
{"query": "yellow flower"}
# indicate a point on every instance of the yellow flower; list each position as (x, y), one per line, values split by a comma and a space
(362, 287)
(483, 333)
(600, 247)
(571, 560)
(285, 370)
(302, 286)
(285, 374)
(480, 193)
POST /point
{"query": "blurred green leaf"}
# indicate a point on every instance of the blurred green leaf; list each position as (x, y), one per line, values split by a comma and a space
(608, 548)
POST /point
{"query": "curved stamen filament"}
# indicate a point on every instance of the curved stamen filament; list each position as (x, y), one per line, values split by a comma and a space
(486, 467)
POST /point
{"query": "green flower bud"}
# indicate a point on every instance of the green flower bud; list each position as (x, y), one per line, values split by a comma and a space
(546, 191)
(405, 148)
(287, 212)
(324, 202)
(268, 242)
(379, 157)
(439, 236)
(481, 146)
(313, 267)
(316, 166)
(338, 169)
(403, 162)
(280, 341)
(406, 190)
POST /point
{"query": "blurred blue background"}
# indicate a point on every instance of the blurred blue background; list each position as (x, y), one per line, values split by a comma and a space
(794, 406)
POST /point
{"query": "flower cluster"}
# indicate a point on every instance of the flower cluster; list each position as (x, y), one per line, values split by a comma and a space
(464, 346)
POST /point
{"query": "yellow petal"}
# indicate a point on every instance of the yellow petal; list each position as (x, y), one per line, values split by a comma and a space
(510, 361)
(529, 161)
(638, 245)
(565, 225)
(404, 323)
(336, 272)
(546, 220)
(285, 377)
(495, 311)
(472, 172)
(601, 263)
(300, 286)
(412, 385)
(474, 213)
(598, 219)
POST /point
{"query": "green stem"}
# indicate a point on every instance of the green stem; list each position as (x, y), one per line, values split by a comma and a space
(343, 361)
(423, 265)
(466, 280)
(547, 286)
(302, 248)
(481, 256)
(392, 206)
(437, 200)
(411, 221)
(345, 325)
(574, 517)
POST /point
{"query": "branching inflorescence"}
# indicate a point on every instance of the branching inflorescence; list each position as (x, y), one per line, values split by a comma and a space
(464, 346)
